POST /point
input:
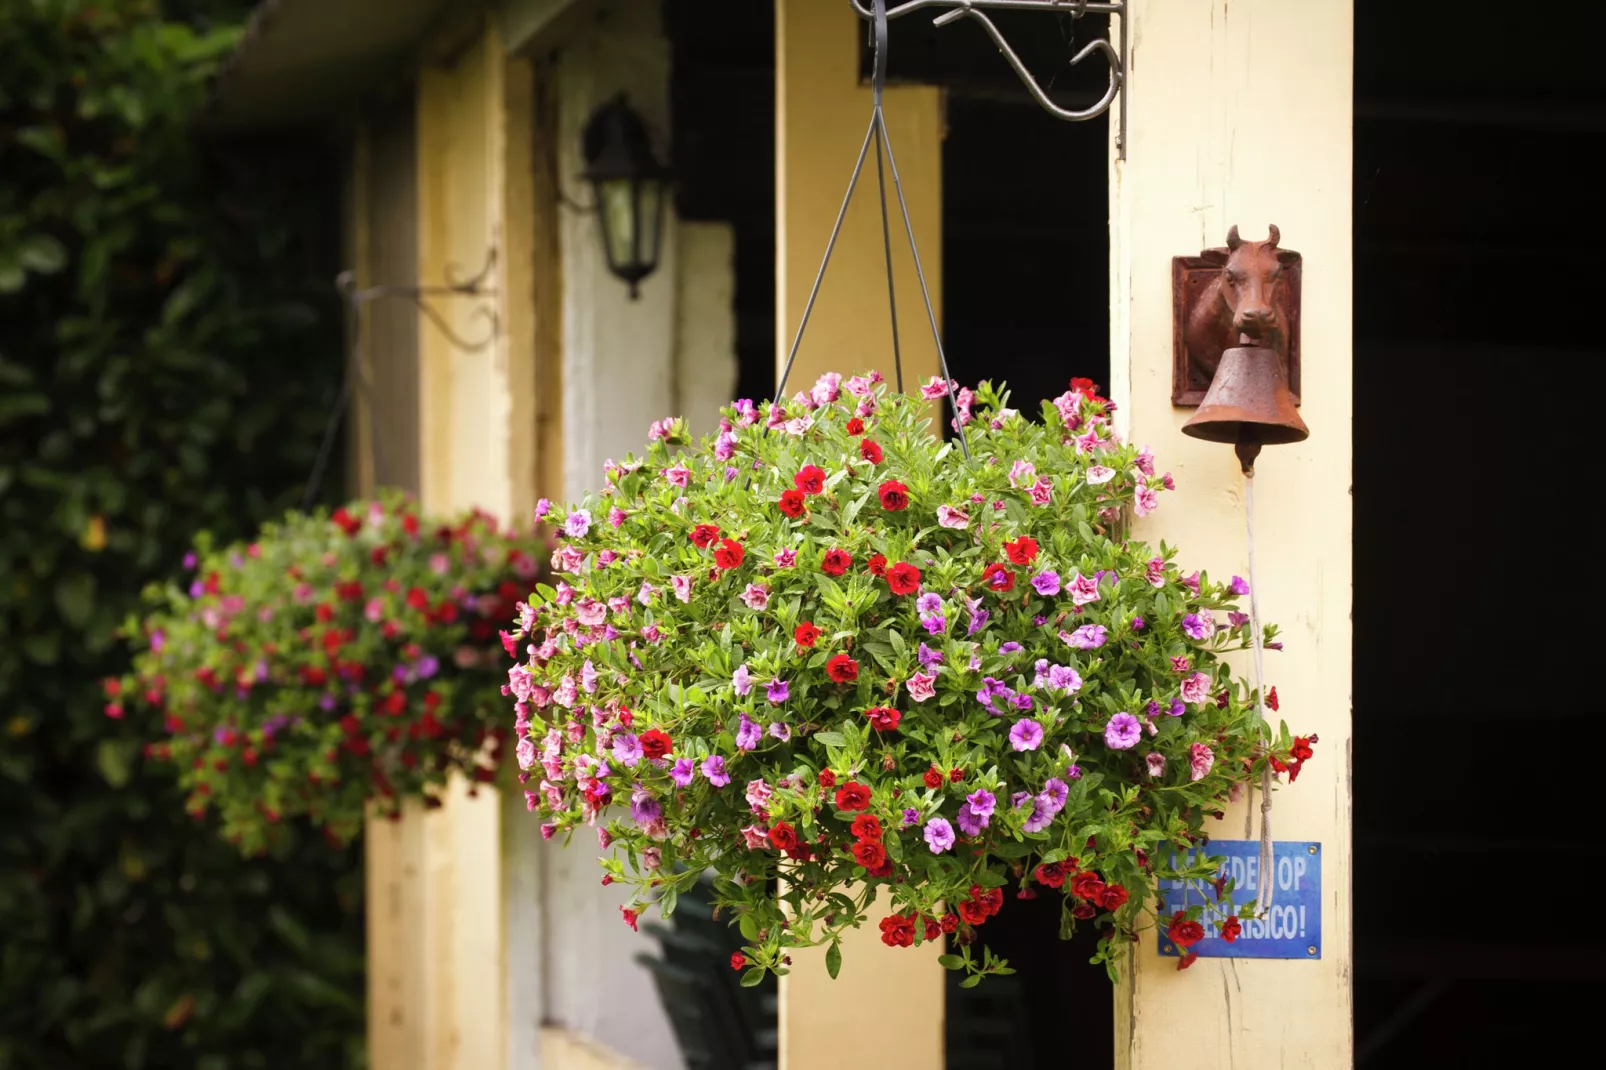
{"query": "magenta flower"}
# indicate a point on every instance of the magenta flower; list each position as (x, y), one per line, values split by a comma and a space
(929, 657)
(1089, 637)
(714, 770)
(682, 772)
(1200, 759)
(781, 730)
(1238, 586)
(1041, 492)
(1199, 626)
(1026, 735)
(748, 733)
(1144, 500)
(911, 817)
(1046, 583)
(939, 835)
(777, 691)
(1123, 732)
(982, 802)
(785, 558)
(1084, 589)
(577, 523)
(933, 389)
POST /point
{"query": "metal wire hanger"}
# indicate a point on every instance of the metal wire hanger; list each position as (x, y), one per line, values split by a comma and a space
(877, 134)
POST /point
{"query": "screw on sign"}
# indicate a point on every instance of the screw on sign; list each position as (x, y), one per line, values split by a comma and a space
(1290, 929)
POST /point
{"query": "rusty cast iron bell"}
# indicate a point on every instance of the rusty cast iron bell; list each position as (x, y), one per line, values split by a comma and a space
(1248, 404)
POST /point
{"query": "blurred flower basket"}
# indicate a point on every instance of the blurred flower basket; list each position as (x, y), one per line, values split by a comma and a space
(332, 661)
(826, 656)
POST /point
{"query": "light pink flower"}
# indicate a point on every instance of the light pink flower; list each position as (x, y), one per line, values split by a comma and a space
(827, 388)
(661, 428)
(645, 595)
(950, 517)
(1156, 763)
(785, 557)
(754, 837)
(1083, 589)
(757, 596)
(758, 794)
(681, 586)
(677, 474)
(922, 686)
(858, 386)
(1145, 461)
(1098, 473)
(1154, 572)
(1089, 442)
(374, 611)
(1200, 759)
(1021, 473)
(590, 612)
(1040, 492)
(1144, 500)
(1196, 689)
(935, 388)
(799, 427)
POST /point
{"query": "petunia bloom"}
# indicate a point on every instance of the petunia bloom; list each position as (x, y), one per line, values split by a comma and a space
(1122, 732)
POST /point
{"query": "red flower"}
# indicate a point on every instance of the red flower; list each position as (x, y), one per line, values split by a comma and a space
(810, 480)
(1230, 929)
(1271, 699)
(853, 796)
(973, 912)
(346, 522)
(410, 524)
(866, 827)
(827, 778)
(806, 633)
(417, 598)
(894, 496)
(956, 774)
(998, 578)
(1023, 551)
(835, 562)
(728, 554)
(898, 931)
(870, 450)
(738, 960)
(1051, 874)
(703, 535)
(655, 743)
(1182, 932)
(842, 669)
(1188, 960)
(629, 916)
(1301, 750)
(855, 426)
(1114, 897)
(783, 836)
(933, 778)
(950, 922)
(324, 612)
(992, 900)
(883, 718)
(877, 564)
(1089, 886)
(903, 578)
(870, 854)
(791, 503)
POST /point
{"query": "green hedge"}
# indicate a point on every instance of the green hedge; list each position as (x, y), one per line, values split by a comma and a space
(169, 347)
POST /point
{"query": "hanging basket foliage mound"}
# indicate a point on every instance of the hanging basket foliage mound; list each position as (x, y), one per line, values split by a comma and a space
(334, 660)
(826, 656)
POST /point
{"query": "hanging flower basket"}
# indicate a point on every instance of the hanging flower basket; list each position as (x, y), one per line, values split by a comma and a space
(827, 657)
(332, 661)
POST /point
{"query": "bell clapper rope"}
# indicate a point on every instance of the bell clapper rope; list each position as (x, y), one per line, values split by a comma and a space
(1247, 451)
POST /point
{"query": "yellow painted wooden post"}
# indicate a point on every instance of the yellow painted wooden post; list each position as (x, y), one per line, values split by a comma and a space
(889, 1001)
(1240, 113)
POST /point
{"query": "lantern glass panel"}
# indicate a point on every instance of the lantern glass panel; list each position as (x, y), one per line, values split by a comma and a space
(616, 202)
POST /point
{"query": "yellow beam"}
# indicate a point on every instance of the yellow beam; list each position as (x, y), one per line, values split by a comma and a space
(888, 1000)
(1244, 117)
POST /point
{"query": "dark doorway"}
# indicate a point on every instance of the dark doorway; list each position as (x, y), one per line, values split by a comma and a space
(1479, 131)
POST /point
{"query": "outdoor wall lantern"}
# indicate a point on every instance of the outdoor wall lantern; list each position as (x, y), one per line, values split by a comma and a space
(630, 188)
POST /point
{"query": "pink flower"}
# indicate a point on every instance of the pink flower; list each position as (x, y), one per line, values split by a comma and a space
(645, 595)
(677, 474)
(1156, 763)
(564, 559)
(758, 794)
(1196, 688)
(1145, 461)
(1069, 405)
(1021, 473)
(616, 518)
(1200, 759)
(1026, 735)
(590, 612)
(1098, 473)
(826, 389)
(374, 610)
(1040, 491)
(858, 386)
(935, 388)
(754, 837)
(950, 517)
(757, 596)
(661, 429)
(681, 585)
(785, 558)
(1144, 500)
(1154, 572)
(1090, 441)
(922, 686)
(1084, 589)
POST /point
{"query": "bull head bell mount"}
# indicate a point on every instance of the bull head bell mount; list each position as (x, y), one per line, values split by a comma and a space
(1249, 403)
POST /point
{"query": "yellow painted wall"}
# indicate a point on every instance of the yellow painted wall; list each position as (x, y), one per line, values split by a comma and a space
(889, 1001)
(1239, 112)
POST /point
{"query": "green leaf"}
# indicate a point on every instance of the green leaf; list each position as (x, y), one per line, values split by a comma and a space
(75, 598)
(753, 977)
(951, 962)
(42, 254)
(115, 760)
(831, 739)
(833, 959)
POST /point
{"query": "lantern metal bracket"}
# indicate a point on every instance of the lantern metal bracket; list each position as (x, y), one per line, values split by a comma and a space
(455, 286)
(1114, 54)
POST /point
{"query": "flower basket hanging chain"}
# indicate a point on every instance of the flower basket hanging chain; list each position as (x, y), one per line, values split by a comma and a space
(829, 657)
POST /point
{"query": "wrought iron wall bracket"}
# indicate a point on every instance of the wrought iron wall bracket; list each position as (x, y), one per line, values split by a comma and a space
(1114, 54)
(472, 286)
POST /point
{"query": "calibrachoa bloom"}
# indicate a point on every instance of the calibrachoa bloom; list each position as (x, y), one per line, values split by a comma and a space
(924, 669)
(348, 658)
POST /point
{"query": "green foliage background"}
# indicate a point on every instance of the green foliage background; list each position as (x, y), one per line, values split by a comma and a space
(169, 345)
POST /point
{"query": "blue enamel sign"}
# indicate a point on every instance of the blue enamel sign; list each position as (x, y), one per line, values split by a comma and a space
(1290, 929)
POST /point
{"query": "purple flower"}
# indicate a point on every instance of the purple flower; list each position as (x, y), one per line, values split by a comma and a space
(781, 730)
(1010, 647)
(1039, 620)
(627, 748)
(939, 835)
(1042, 814)
(928, 603)
(935, 624)
(1239, 585)
(1057, 791)
(196, 590)
(1019, 799)
(748, 733)
(1064, 679)
(1176, 709)
(644, 808)
(982, 802)
(1073, 772)
(1237, 619)
(777, 691)
(1089, 637)
(1123, 732)
(978, 620)
(1046, 584)
(1198, 626)
(190, 560)
(929, 657)
(1026, 735)
(742, 680)
(326, 703)
(714, 770)
(1020, 702)
(577, 523)
(1137, 624)
(970, 822)
(428, 666)
(911, 817)
(683, 772)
